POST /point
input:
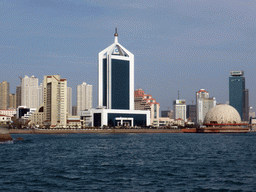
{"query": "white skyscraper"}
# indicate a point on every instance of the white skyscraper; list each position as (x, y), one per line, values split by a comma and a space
(203, 104)
(55, 101)
(84, 97)
(179, 109)
(69, 100)
(30, 92)
(116, 90)
(116, 77)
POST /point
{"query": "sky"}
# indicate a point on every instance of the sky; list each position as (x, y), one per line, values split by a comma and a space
(178, 45)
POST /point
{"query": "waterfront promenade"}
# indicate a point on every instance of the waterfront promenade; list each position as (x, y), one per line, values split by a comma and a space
(85, 131)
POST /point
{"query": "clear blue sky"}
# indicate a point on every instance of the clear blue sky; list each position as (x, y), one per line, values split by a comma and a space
(180, 45)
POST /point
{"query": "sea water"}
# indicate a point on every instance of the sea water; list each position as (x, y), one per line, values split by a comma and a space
(129, 162)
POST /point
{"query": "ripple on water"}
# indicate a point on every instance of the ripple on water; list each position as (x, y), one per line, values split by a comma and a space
(129, 162)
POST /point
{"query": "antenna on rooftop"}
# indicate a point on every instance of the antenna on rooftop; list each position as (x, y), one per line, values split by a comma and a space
(178, 95)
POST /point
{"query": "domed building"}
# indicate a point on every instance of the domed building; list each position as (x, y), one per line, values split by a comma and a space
(222, 114)
(223, 119)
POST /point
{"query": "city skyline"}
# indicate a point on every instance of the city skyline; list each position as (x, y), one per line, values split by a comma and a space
(203, 43)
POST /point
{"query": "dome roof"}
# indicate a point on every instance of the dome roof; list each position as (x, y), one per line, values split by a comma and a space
(222, 114)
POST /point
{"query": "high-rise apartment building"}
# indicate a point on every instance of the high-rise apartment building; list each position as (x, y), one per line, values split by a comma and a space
(55, 101)
(238, 95)
(180, 109)
(29, 92)
(84, 97)
(144, 101)
(69, 100)
(4, 95)
(203, 104)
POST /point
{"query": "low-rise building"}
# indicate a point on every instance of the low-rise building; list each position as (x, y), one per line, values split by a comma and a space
(8, 112)
(165, 121)
(4, 119)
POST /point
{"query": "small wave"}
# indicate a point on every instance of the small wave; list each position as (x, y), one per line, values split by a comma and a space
(7, 142)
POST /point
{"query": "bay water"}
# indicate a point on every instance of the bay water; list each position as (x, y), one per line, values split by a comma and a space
(129, 162)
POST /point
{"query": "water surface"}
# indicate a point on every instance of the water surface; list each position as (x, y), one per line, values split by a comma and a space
(129, 162)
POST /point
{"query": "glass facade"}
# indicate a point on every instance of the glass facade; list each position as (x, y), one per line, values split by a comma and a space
(237, 93)
(138, 119)
(120, 78)
(97, 119)
(104, 82)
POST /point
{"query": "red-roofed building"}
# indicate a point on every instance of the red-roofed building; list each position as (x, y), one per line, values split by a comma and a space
(144, 101)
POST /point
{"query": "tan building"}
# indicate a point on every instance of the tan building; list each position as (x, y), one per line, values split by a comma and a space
(4, 95)
(12, 101)
(165, 121)
(37, 118)
(69, 100)
(144, 101)
(18, 96)
(55, 101)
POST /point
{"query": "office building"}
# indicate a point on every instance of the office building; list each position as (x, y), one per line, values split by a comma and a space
(116, 77)
(4, 95)
(246, 109)
(55, 101)
(179, 109)
(238, 95)
(29, 92)
(203, 103)
(144, 101)
(191, 113)
(116, 90)
(84, 97)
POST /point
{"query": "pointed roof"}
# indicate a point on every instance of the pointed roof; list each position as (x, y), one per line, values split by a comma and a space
(116, 48)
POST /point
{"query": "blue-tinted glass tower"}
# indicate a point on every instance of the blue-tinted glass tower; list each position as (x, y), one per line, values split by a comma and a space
(237, 91)
(116, 77)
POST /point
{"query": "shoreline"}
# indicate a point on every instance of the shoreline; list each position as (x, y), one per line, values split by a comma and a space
(96, 131)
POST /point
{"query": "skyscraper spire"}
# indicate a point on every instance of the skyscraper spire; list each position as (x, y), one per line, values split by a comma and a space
(116, 36)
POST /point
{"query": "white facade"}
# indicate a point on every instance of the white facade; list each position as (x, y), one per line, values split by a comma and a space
(118, 52)
(30, 92)
(105, 113)
(4, 119)
(203, 104)
(84, 97)
(69, 100)
(180, 109)
(40, 94)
